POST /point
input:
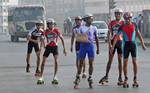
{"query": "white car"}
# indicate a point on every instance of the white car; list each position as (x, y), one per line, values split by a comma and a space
(102, 28)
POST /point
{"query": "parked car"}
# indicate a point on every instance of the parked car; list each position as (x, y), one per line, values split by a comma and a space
(102, 28)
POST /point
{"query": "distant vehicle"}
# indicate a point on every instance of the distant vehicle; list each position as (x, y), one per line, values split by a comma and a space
(22, 19)
(102, 28)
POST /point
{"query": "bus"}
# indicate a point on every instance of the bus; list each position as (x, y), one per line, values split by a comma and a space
(22, 19)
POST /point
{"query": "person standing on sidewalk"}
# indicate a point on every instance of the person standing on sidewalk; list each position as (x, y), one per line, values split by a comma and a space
(113, 29)
(78, 21)
(86, 36)
(52, 34)
(35, 40)
(130, 31)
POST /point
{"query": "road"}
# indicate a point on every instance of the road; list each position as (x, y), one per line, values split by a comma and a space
(13, 78)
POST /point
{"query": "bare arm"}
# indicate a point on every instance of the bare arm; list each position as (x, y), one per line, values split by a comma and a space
(109, 38)
(62, 41)
(72, 41)
(141, 39)
(114, 43)
(97, 44)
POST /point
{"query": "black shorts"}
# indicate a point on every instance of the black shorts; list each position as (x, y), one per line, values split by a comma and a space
(32, 45)
(77, 46)
(117, 47)
(129, 47)
(50, 49)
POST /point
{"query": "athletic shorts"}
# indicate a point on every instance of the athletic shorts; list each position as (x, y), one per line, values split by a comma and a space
(32, 45)
(117, 47)
(129, 47)
(86, 48)
(50, 49)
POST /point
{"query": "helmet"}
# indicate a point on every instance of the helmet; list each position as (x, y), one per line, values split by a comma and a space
(88, 15)
(39, 22)
(50, 20)
(127, 15)
(78, 18)
(118, 10)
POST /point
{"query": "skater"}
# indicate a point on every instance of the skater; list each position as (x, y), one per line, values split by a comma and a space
(113, 29)
(129, 31)
(35, 39)
(78, 21)
(86, 37)
(52, 34)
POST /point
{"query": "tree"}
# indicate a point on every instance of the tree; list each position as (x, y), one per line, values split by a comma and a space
(112, 4)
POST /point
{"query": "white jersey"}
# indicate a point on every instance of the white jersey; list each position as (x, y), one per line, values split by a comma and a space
(90, 31)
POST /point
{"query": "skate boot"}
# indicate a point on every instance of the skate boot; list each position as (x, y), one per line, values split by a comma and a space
(28, 68)
(55, 81)
(90, 80)
(37, 73)
(84, 75)
(135, 83)
(120, 81)
(40, 81)
(125, 83)
(103, 80)
(76, 82)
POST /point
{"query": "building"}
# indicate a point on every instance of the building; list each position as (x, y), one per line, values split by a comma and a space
(100, 8)
(4, 14)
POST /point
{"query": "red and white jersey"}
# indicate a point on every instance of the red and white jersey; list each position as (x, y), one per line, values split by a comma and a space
(114, 25)
(52, 36)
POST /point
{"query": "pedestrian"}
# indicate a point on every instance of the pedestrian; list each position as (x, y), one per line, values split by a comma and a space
(52, 34)
(35, 39)
(113, 29)
(78, 22)
(130, 31)
(86, 37)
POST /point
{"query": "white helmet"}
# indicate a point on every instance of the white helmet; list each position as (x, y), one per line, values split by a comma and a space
(50, 20)
(118, 10)
(39, 22)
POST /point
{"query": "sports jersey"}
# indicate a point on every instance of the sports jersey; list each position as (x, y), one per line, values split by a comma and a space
(35, 34)
(76, 30)
(89, 31)
(114, 26)
(52, 36)
(128, 32)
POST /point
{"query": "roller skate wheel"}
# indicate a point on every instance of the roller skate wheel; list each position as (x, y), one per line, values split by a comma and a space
(126, 86)
(40, 82)
(119, 83)
(55, 82)
(135, 85)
